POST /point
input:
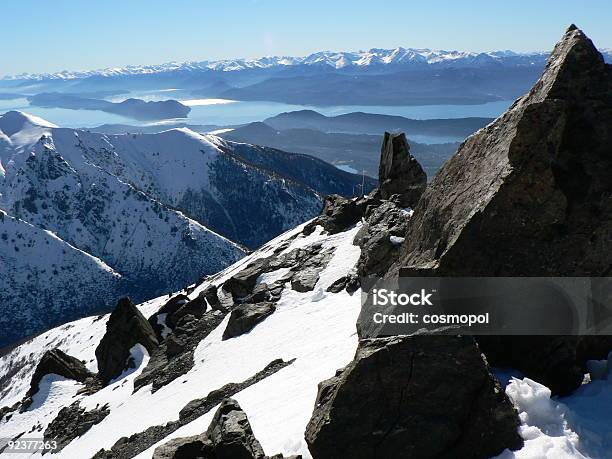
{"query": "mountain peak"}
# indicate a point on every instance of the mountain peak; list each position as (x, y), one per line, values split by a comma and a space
(574, 69)
(14, 121)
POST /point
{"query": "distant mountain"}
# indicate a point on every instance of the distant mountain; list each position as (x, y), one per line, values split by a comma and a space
(352, 152)
(400, 76)
(132, 108)
(375, 57)
(151, 212)
(370, 123)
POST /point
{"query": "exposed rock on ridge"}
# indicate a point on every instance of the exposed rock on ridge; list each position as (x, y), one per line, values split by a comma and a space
(125, 328)
(529, 195)
(418, 396)
(399, 172)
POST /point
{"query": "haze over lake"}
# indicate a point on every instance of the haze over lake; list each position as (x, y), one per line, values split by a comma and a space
(224, 112)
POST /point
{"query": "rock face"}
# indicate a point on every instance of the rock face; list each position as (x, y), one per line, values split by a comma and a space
(399, 172)
(529, 195)
(417, 396)
(72, 422)
(380, 238)
(59, 363)
(229, 436)
(125, 328)
(339, 213)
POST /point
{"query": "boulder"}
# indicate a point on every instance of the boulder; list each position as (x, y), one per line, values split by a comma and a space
(418, 396)
(399, 173)
(229, 436)
(196, 307)
(59, 363)
(528, 195)
(245, 317)
(125, 328)
(242, 283)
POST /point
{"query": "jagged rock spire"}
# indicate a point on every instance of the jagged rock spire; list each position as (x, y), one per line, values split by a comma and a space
(399, 172)
(526, 194)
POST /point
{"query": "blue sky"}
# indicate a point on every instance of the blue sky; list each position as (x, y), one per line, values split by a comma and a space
(43, 35)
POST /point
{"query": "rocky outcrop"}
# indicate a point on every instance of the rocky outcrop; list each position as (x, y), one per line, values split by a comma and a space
(230, 433)
(72, 422)
(340, 213)
(174, 357)
(59, 363)
(245, 317)
(171, 306)
(125, 328)
(417, 396)
(528, 195)
(399, 172)
(138, 442)
(380, 238)
(228, 436)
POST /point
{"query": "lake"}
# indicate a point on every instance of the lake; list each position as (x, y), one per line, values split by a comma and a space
(226, 112)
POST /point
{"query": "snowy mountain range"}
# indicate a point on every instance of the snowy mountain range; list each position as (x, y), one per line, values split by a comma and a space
(144, 214)
(337, 60)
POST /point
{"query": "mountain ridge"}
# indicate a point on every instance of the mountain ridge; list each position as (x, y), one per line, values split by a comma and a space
(333, 59)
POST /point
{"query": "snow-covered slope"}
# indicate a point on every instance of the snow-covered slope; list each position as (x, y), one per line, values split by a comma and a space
(316, 328)
(162, 210)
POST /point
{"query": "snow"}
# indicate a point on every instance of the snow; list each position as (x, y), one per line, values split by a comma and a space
(397, 240)
(315, 328)
(577, 426)
(333, 59)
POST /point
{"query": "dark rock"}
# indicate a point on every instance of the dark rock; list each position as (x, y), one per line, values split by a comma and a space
(339, 213)
(196, 446)
(551, 360)
(378, 249)
(528, 195)
(245, 317)
(59, 363)
(241, 284)
(6, 411)
(399, 172)
(218, 299)
(72, 422)
(338, 285)
(264, 292)
(125, 328)
(196, 308)
(171, 306)
(174, 345)
(417, 396)
(306, 274)
(231, 435)
(305, 280)
(174, 357)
